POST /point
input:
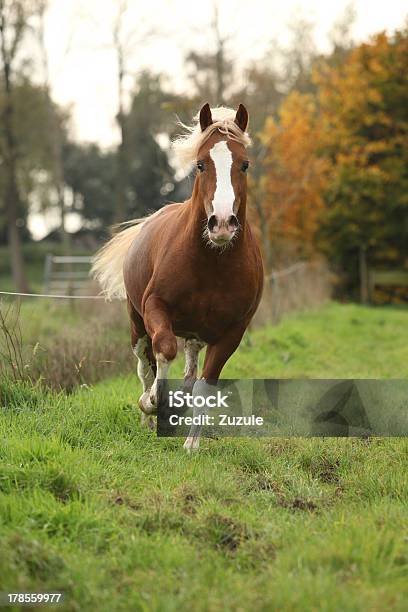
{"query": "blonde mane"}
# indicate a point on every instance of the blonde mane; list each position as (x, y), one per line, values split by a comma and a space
(187, 145)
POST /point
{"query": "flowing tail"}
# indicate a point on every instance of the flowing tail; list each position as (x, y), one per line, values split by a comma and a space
(107, 267)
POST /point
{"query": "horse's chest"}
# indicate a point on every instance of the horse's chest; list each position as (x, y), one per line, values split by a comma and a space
(214, 306)
(208, 312)
(205, 301)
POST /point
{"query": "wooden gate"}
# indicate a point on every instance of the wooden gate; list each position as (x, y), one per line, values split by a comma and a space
(66, 274)
(386, 278)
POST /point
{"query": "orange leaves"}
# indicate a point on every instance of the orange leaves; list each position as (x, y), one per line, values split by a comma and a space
(335, 164)
(295, 173)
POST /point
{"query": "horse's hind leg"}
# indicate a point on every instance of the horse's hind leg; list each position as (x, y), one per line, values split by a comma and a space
(146, 367)
(146, 372)
(192, 348)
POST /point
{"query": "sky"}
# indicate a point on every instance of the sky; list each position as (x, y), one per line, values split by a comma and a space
(82, 60)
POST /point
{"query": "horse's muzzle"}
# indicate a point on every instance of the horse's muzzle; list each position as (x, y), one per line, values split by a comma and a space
(222, 231)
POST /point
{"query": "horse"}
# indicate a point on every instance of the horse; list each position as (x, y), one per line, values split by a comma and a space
(194, 269)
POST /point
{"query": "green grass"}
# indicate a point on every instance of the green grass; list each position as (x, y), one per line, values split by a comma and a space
(338, 341)
(94, 505)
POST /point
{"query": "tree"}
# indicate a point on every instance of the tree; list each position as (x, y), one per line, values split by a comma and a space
(91, 175)
(124, 42)
(336, 163)
(294, 177)
(212, 72)
(300, 56)
(13, 23)
(120, 50)
(150, 178)
(364, 107)
(56, 132)
(341, 35)
(32, 106)
(26, 109)
(262, 95)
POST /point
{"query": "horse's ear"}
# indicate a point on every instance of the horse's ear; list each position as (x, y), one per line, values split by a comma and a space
(205, 117)
(241, 118)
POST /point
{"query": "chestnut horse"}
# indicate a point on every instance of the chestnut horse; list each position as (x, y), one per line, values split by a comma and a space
(192, 270)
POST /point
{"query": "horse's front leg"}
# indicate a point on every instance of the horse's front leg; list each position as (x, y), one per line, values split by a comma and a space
(215, 358)
(164, 343)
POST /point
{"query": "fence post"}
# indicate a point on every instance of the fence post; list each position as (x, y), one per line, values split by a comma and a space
(363, 274)
(47, 272)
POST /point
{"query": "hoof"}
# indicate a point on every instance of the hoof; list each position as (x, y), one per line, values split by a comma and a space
(191, 444)
(145, 404)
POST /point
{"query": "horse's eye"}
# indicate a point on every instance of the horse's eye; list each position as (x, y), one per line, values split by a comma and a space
(245, 166)
(200, 166)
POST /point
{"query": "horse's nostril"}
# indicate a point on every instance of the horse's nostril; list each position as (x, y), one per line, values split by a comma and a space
(212, 223)
(233, 221)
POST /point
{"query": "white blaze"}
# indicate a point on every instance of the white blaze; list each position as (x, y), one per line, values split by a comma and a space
(224, 196)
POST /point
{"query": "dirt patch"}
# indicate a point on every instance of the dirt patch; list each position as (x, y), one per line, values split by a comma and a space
(263, 482)
(325, 469)
(121, 499)
(328, 473)
(190, 504)
(299, 503)
(188, 497)
(226, 533)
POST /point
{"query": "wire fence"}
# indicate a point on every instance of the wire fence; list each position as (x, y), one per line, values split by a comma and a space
(53, 296)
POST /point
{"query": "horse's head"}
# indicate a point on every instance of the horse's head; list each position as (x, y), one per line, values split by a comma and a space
(222, 163)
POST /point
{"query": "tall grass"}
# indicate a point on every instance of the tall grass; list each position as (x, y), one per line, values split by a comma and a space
(12, 362)
(77, 347)
(302, 286)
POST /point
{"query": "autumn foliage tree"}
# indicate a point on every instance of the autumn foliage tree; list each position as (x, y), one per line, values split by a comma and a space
(294, 178)
(364, 105)
(335, 163)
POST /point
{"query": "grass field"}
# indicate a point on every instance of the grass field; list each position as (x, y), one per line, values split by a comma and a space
(95, 506)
